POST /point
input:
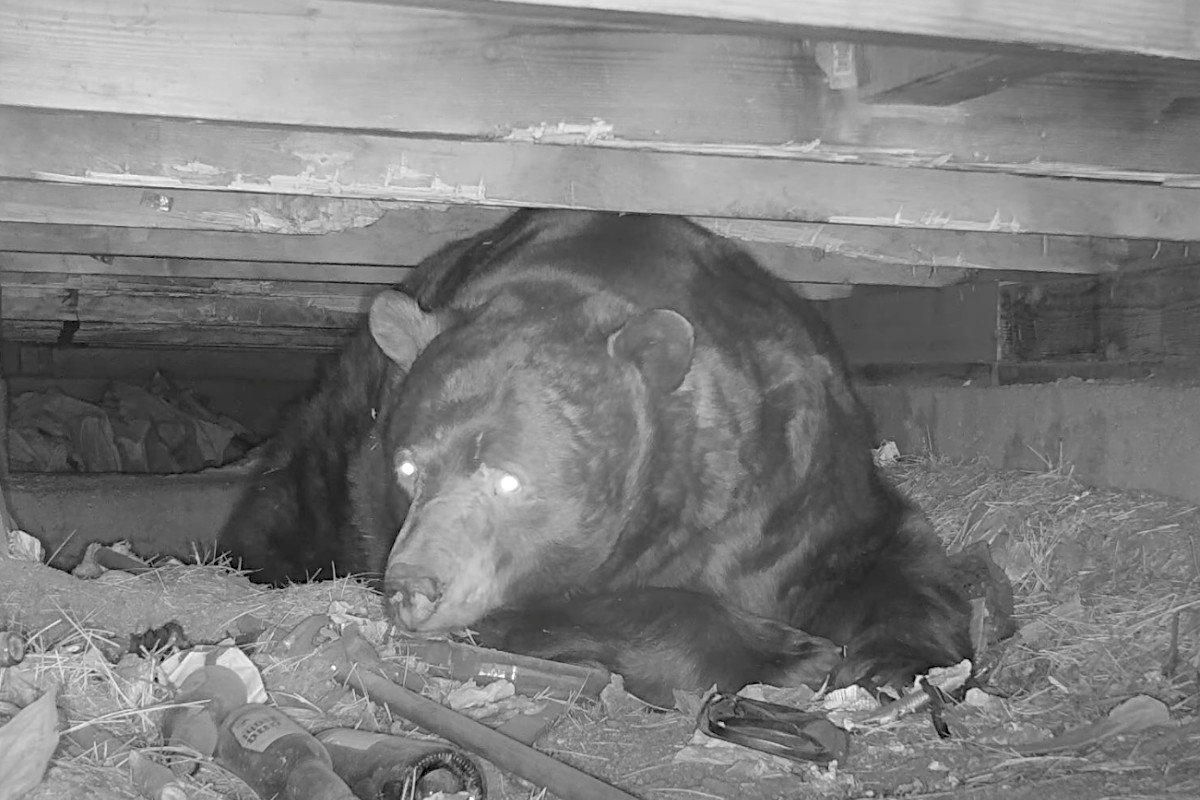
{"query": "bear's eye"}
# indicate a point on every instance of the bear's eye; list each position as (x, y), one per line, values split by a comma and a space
(406, 468)
(507, 483)
(501, 481)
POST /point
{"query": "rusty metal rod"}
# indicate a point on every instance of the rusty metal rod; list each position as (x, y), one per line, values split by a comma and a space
(506, 753)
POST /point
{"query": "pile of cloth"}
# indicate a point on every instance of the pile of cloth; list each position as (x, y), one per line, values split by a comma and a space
(159, 428)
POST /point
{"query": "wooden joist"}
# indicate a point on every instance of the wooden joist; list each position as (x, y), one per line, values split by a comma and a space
(404, 236)
(1104, 122)
(792, 264)
(489, 77)
(401, 237)
(1157, 28)
(155, 336)
(263, 212)
(181, 301)
(61, 266)
(1147, 316)
(942, 77)
(333, 63)
(827, 256)
(165, 311)
(163, 157)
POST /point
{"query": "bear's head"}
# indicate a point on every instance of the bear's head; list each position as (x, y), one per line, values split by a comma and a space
(521, 434)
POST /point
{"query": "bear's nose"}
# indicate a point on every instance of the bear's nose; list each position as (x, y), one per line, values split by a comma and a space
(413, 593)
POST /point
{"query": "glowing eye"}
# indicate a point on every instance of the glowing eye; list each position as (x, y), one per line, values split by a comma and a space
(508, 483)
(406, 468)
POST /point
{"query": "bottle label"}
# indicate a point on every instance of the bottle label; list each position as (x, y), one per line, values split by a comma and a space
(258, 728)
(350, 739)
(507, 672)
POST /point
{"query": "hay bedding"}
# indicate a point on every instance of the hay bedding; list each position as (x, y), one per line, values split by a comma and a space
(1107, 592)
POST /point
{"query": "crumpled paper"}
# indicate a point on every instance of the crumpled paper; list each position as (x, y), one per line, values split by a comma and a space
(343, 614)
(470, 695)
(24, 547)
(27, 741)
(176, 668)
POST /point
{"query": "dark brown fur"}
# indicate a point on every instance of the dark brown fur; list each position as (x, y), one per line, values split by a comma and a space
(697, 499)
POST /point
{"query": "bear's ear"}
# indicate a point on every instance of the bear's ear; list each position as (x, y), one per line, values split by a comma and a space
(659, 342)
(400, 327)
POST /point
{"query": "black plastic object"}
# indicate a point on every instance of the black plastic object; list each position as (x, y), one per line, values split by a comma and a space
(775, 729)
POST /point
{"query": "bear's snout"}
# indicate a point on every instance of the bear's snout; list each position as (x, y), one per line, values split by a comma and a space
(413, 594)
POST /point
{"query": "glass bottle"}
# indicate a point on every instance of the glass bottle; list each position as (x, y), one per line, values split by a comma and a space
(276, 757)
(383, 767)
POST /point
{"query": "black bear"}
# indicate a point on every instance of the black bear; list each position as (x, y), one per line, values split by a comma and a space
(611, 438)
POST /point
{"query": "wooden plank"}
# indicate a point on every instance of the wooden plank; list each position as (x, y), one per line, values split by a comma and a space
(759, 184)
(362, 65)
(402, 236)
(1158, 28)
(1054, 124)
(210, 336)
(176, 58)
(405, 236)
(792, 264)
(941, 77)
(29, 201)
(1143, 316)
(1058, 123)
(171, 268)
(182, 302)
(194, 303)
(919, 250)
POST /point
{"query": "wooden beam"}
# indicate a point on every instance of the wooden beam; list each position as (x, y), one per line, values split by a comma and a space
(401, 237)
(197, 268)
(362, 65)
(918, 250)
(355, 169)
(100, 204)
(1099, 123)
(186, 302)
(941, 77)
(1157, 28)
(156, 336)
(404, 236)
(175, 310)
(487, 77)
(1147, 315)
(795, 265)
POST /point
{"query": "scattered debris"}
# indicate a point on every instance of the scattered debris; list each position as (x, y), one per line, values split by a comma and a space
(100, 558)
(1135, 714)
(159, 429)
(1100, 621)
(154, 781)
(887, 453)
(616, 700)
(24, 547)
(782, 731)
(27, 741)
(12, 648)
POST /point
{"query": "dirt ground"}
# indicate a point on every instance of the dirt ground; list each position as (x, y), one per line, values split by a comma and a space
(1107, 591)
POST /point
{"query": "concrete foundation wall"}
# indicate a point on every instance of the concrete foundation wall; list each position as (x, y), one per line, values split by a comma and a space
(1124, 436)
(157, 514)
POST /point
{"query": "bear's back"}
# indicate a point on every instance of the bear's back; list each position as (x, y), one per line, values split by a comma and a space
(640, 262)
